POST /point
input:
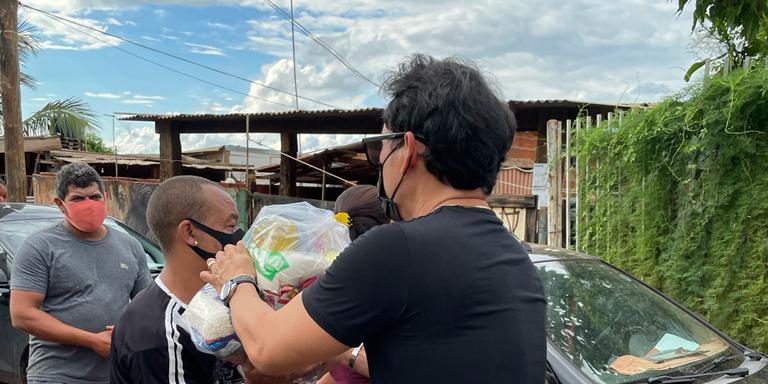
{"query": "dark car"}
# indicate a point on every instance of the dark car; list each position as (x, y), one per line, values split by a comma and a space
(17, 221)
(605, 326)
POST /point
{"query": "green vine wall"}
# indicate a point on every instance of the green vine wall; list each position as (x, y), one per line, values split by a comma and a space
(678, 196)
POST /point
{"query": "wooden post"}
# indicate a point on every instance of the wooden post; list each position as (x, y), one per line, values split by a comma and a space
(289, 144)
(322, 197)
(170, 150)
(578, 186)
(15, 164)
(597, 188)
(554, 233)
(568, 184)
(247, 151)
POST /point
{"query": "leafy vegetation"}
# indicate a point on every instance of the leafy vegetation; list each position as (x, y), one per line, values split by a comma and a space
(70, 117)
(678, 195)
(94, 143)
(739, 26)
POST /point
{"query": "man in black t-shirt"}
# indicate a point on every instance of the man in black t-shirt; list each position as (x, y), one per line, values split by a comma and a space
(192, 218)
(445, 294)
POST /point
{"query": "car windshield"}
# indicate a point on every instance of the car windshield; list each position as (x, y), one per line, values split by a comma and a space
(13, 233)
(615, 329)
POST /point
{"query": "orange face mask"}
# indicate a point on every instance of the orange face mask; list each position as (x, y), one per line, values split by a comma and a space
(87, 215)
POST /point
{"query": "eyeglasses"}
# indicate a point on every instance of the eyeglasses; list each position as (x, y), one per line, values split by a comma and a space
(374, 145)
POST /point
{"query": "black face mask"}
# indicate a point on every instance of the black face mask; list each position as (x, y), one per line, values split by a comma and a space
(222, 237)
(387, 203)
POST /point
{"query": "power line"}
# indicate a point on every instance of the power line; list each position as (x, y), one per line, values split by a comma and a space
(295, 79)
(303, 162)
(238, 77)
(293, 45)
(322, 43)
(165, 66)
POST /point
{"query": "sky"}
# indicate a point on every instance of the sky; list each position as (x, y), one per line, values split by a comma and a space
(589, 50)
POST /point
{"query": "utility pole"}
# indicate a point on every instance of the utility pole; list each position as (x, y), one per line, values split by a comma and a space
(15, 166)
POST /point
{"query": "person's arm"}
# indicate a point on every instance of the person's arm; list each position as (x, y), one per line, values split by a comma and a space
(270, 338)
(143, 278)
(359, 295)
(27, 316)
(254, 376)
(361, 362)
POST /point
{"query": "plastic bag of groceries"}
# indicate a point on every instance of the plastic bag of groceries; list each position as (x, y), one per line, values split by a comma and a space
(291, 245)
(210, 326)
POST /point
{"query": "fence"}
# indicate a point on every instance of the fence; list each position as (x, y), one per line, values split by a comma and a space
(567, 170)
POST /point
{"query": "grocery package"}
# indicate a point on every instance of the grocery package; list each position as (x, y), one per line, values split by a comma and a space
(210, 326)
(292, 244)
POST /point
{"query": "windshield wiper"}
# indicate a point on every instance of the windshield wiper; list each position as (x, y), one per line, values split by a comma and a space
(738, 372)
(716, 363)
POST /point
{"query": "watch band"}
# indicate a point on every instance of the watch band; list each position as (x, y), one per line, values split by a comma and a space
(353, 356)
(237, 280)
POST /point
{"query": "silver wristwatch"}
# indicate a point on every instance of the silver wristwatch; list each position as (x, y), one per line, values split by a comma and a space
(228, 290)
(353, 356)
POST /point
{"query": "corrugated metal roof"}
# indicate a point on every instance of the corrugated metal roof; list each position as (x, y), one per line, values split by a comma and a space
(141, 160)
(514, 181)
(570, 103)
(128, 116)
(240, 116)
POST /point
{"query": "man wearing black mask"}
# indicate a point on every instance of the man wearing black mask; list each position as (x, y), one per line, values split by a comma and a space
(192, 218)
(445, 294)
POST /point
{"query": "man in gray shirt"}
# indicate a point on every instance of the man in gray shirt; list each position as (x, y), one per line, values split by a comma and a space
(71, 282)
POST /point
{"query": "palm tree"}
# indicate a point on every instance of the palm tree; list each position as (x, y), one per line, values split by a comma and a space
(71, 117)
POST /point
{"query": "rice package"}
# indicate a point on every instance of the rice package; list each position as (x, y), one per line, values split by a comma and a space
(291, 245)
(210, 326)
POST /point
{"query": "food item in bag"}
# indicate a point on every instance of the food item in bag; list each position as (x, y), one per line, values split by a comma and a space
(292, 244)
(209, 324)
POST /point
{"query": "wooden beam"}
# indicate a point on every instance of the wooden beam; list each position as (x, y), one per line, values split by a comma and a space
(304, 125)
(511, 201)
(15, 162)
(170, 150)
(554, 208)
(289, 144)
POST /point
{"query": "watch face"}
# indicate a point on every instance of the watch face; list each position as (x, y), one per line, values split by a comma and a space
(225, 291)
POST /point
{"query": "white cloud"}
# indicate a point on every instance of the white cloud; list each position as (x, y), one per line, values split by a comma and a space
(144, 140)
(126, 93)
(142, 97)
(611, 51)
(113, 21)
(138, 140)
(169, 37)
(103, 95)
(160, 12)
(528, 53)
(59, 35)
(131, 23)
(149, 38)
(205, 49)
(220, 26)
(39, 99)
(138, 101)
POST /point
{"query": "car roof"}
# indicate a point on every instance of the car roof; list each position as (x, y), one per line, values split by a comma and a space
(21, 211)
(542, 253)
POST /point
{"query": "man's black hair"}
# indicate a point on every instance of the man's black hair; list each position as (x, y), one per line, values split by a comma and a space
(466, 127)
